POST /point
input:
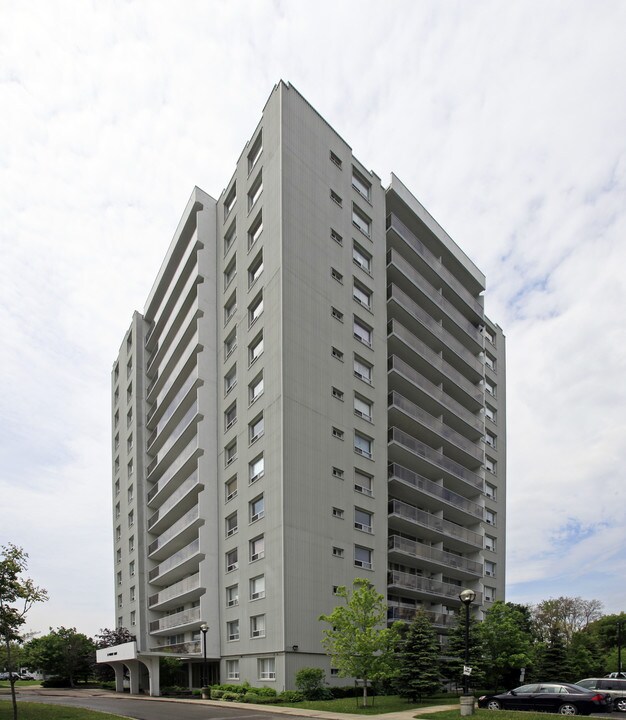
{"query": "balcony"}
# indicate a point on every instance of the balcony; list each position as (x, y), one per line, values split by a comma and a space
(181, 326)
(434, 458)
(433, 557)
(190, 345)
(177, 594)
(425, 587)
(412, 516)
(176, 620)
(185, 648)
(176, 438)
(177, 565)
(182, 499)
(183, 464)
(404, 234)
(406, 613)
(186, 365)
(172, 414)
(181, 532)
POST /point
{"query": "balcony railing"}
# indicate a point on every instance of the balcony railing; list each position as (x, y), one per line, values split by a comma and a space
(187, 519)
(183, 457)
(182, 587)
(434, 456)
(184, 648)
(186, 487)
(176, 620)
(171, 409)
(176, 559)
(432, 522)
(434, 555)
(406, 613)
(175, 435)
(420, 584)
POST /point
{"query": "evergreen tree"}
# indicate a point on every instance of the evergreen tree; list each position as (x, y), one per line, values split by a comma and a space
(418, 659)
(552, 662)
(454, 654)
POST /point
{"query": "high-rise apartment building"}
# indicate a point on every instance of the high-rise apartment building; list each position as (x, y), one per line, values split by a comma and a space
(312, 394)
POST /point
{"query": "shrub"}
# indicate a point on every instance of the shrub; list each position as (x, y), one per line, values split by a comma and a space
(267, 692)
(311, 682)
(55, 683)
(216, 694)
(291, 696)
(232, 696)
(108, 684)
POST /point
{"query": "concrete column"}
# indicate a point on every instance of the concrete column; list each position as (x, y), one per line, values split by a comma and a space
(134, 670)
(118, 669)
(152, 663)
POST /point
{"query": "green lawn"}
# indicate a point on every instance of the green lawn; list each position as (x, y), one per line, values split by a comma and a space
(38, 711)
(376, 706)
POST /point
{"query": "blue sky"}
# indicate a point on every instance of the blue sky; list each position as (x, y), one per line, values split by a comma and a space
(505, 119)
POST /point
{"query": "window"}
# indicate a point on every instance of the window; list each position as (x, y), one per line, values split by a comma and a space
(361, 221)
(232, 596)
(116, 395)
(257, 587)
(130, 467)
(131, 518)
(117, 464)
(336, 236)
(131, 543)
(363, 482)
(131, 568)
(120, 621)
(337, 314)
(338, 512)
(117, 510)
(255, 349)
(230, 272)
(129, 417)
(132, 594)
(363, 520)
(232, 630)
(133, 617)
(232, 562)
(362, 295)
(337, 354)
(232, 669)
(337, 552)
(490, 413)
(116, 418)
(335, 159)
(230, 200)
(230, 416)
(230, 452)
(116, 371)
(257, 548)
(118, 555)
(490, 388)
(257, 626)
(337, 433)
(362, 557)
(334, 672)
(257, 508)
(255, 389)
(362, 332)
(335, 589)
(337, 394)
(490, 465)
(119, 577)
(230, 308)
(254, 233)
(490, 568)
(256, 469)
(117, 438)
(230, 236)
(256, 429)
(360, 184)
(129, 367)
(490, 543)
(230, 379)
(255, 269)
(490, 594)
(490, 336)
(255, 152)
(255, 310)
(230, 344)
(363, 445)
(231, 488)
(490, 517)
(362, 369)
(129, 443)
(118, 533)
(363, 408)
(361, 258)
(490, 439)
(338, 473)
(490, 362)
(336, 198)
(117, 487)
(490, 491)
(231, 524)
(255, 191)
(129, 392)
(266, 668)
(336, 275)
(119, 601)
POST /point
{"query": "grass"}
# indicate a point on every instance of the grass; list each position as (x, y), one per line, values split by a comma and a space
(39, 711)
(376, 706)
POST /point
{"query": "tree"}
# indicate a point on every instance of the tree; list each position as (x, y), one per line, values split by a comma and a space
(452, 665)
(17, 596)
(63, 653)
(418, 659)
(585, 656)
(110, 638)
(358, 641)
(506, 646)
(566, 614)
(552, 660)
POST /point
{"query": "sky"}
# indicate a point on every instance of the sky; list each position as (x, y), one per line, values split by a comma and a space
(507, 120)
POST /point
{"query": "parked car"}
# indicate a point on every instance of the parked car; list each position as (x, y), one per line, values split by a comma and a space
(7, 676)
(26, 676)
(613, 686)
(562, 698)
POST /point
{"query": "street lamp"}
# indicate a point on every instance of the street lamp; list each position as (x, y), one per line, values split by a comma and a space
(619, 647)
(204, 627)
(467, 597)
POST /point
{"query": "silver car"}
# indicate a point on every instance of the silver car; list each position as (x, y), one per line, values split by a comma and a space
(615, 687)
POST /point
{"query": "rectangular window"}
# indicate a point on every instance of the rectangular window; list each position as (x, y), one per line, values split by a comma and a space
(257, 548)
(230, 416)
(490, 543)
(256, 429)
(129, 367)
(337, 354)
(129, 393)
(255, 152)
(230, 452)
(360, 184)
(232, 669)
(230, 236)
(336, 198)
(231, 524)
(363, 557)
(363, 520)
(490, 569)
(257, 587)
(255, 269)
(490, 594)
(363, 445)
(116, 418)
(254, 233)
(256, 469)
(131, 568)
(266, 668)
(363, 482)
(336, 275)
(363, 408)
(117, 436)
(490, 517)
(362, 369)
(257, 626)
(362, 332)
(490, 388)
(337, 433)
(490, 491)
(490, 336)
(490, 413)
(337, 393)
(255, 191)
(336, 237)
(129, 418)
(131, 518)
(362, 295)
(232, 596)
(255, 310)
(116, 395)
(118, 577)
(337, 552)
(131, 544)
(130, 467)
(132, 594)
(490, 465)
(490, 439)
(230, 308)
(117, 510)
(337, 314)
(257, 508)
(129, 443)
(118, 533)
(230, 488)
(338, 473)
(230, 200)
(361, 258)
(230, 344)
(334, 158)
(337, 512)
(255, 389)
(133, 617)
(230, 379)
(232, 562)
(255, 349)
(117, 487)
(118, 555)
(490, 362)
(232, 630)
(361, 221)
(230, 273)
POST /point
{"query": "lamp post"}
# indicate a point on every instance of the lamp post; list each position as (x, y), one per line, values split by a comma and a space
(467, 597)
(619, 647)
(204, 627)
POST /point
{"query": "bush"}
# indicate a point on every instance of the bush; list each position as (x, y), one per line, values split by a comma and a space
(291, 696)
(108, 684)
(232, 696)
(311, 682)
(346, 691)
(267, 692)
(56, 683)
(175, 690)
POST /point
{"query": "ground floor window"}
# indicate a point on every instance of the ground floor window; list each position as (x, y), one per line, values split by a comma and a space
(266, 668)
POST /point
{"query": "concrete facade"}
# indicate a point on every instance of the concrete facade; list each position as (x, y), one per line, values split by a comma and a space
(302, 402)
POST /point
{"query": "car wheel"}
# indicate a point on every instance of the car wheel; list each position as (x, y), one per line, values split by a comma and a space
(568, 709)
(494, 705)
(620, 704)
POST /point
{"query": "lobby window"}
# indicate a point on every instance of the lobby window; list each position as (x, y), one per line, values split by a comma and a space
(363, 483)
(230, 272)
(363, 445)
(230, 308)
(335, 159)
(256, 228)
(230, 416)
(336, 198)
(490, 543)
(255, 191)
(363, 407)
(363, 557)
(257, 626)
(232, 596)
(230, 488)
(256, 429)
(361, 185)
(257, 587)
(255, 269)
(255, 389)
(361, 258)
(232, 669)
(255, 152)
(363, 520)
(255, 349)
(362, 332)
(255, 309)
(230, 344)
(257, 548)
(257, 508)
(230, 200)
(232, 630)
(232, 562)
(256, 469)
(362, 295)
(266, 668)
(230, 379)
(231, 524)
(490, 568)
(230, 236)
(363, 369)
(490, 517)
(361, 221)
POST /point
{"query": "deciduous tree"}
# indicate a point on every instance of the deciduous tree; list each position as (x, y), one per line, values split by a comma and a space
(63, 653)
(566, 614)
